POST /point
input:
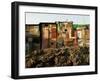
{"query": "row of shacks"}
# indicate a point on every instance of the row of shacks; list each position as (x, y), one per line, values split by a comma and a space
(56, 34)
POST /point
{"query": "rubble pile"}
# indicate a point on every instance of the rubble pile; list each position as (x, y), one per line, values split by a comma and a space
(52, 57)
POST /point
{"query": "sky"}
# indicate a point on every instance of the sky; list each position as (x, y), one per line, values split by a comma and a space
(36, 18)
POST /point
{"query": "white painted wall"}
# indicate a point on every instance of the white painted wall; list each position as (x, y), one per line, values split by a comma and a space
(5, 40)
